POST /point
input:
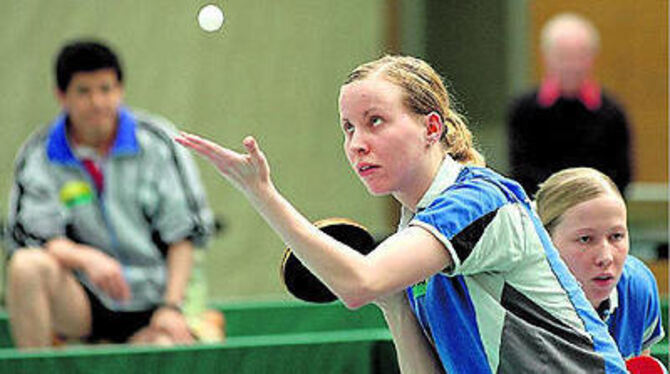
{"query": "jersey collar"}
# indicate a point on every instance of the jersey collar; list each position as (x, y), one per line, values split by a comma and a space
(446, 176)
(60, 151)
(607, 307)
(589, 93)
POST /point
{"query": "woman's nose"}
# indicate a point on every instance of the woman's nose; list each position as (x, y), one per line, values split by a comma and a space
(604, 257)
(359, 144)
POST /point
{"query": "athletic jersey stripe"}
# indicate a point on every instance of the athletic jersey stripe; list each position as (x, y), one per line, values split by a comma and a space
(460, 321)
(523, 307)
(464, 242)
(472, 206)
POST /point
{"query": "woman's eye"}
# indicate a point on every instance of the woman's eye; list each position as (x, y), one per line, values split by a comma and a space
(584, 239)
(376, 121)
(618, 236)
(348, 128)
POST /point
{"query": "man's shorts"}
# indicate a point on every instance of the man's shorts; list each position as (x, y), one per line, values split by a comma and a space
(112, 326)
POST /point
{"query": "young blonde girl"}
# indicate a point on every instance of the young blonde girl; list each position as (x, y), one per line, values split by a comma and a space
(585, 214)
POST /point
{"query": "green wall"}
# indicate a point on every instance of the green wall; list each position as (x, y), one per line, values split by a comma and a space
(467, 42)
(273, 71)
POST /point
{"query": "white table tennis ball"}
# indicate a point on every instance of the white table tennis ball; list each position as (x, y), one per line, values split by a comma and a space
(210, 17)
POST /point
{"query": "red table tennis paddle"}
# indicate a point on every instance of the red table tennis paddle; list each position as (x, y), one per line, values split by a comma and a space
(645, 365)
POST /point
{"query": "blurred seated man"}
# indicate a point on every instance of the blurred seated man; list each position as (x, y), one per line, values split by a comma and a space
(105, 212)
(568, 121)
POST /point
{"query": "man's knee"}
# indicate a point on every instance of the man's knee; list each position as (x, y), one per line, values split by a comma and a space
(31, 263)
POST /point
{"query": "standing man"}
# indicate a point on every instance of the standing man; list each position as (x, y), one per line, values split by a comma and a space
(105, 212)
(568, 121)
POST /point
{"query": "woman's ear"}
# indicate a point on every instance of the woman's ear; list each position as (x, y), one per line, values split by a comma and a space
(434, 127)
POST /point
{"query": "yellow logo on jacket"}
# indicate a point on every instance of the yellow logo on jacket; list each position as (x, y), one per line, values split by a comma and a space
(76, 193)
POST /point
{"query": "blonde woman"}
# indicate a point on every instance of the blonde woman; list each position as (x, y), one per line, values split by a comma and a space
(484, 289)
(585, 214)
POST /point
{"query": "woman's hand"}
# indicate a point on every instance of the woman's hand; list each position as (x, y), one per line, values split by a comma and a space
(249, 172)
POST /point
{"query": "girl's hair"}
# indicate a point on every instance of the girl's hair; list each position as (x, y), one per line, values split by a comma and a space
(424, 92)
(567, 188)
